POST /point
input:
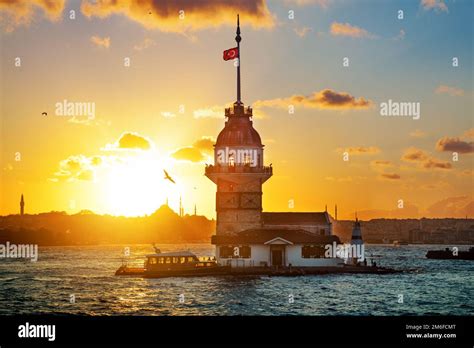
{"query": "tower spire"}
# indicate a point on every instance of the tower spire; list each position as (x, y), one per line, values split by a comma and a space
(238, 39)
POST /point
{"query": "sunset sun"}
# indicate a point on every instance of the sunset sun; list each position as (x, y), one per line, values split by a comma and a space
(135, 186)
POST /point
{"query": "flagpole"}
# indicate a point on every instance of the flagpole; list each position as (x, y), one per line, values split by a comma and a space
(238, 39)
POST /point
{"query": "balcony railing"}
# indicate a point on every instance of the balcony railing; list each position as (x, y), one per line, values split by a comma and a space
(238, 168)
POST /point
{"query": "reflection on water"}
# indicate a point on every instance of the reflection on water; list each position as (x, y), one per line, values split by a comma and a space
(433, 287)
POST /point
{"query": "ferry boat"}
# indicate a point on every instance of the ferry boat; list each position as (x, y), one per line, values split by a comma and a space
(448, 254)
(174, 264)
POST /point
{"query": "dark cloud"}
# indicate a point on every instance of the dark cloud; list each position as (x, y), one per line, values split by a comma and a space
(414, 155)
(434, 163)
(455, 145)
(381, 163)
(324, 99)
(165, 14)
(426, 161)
(390, 176)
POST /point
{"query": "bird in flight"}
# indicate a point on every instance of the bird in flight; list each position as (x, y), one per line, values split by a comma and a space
(44, 113)
(168, 177)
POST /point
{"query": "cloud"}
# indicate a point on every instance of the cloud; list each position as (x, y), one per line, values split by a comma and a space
(414, 155)
(424, 160)
(101, 41)
(417, 134)
(188, 153)
(389, 176)
(400, 36)
(339, 179)
(409, 210)
(466, 172)
(360, 150)
(381, 163)
(144, 44)
(76, 168)
(216, 111)
(346, 29)
(197, 152)
(205, 144)
(301, 3)
(455, 145)
(435, 163)
(469, 133)
(452, 91)
(452, 207)
(18, 13)
(130, 141)
(165, 15)
(327, 99)
(301, 32)
(437, 5)
(168, 114)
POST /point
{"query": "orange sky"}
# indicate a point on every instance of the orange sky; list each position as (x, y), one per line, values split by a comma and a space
(164, 109)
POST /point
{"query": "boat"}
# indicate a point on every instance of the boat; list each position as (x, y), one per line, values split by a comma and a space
(448, 254)
(174, 264)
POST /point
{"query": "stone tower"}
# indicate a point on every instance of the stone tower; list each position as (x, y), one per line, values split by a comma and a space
(238, 169)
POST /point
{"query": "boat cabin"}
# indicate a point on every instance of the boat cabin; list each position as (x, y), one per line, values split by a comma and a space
(177, 261)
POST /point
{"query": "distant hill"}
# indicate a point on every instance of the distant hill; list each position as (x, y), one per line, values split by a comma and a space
(59, 228)
(446, 230)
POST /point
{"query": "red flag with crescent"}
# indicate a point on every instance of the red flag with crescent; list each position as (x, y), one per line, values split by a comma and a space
(231, 53)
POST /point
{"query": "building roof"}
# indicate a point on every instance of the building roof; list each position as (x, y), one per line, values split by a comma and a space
(261, 236)
(289, 218)
(238, 130)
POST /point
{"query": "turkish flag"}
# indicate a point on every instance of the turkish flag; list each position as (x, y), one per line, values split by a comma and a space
(231, 53)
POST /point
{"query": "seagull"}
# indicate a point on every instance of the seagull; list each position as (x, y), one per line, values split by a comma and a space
(44, 113)
(168, 177)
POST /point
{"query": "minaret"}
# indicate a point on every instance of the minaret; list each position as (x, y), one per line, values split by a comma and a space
(180, 207)
(22, 205)
(195, 210)
(238, 169)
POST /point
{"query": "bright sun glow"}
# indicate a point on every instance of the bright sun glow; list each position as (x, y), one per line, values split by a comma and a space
(136, 186)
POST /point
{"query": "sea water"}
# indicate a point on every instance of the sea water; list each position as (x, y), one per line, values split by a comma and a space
(86, 275)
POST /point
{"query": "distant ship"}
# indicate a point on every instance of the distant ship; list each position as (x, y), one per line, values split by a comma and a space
(448, 254)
